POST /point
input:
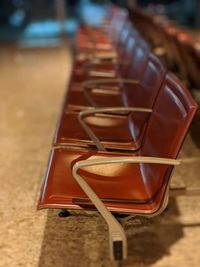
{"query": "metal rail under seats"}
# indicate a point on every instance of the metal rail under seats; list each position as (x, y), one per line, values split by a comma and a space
(132, 183)
(94, 93)
(115, 129)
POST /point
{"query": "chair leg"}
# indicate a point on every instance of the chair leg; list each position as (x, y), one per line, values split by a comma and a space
(64, 213)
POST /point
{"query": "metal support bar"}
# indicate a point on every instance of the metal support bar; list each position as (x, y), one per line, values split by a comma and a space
(98, 73)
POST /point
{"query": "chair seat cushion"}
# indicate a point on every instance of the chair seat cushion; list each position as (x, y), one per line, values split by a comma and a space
(113, 131)
(122, 187)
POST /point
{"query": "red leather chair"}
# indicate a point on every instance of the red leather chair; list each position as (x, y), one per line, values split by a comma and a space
(123, 51)
(134, 94)
(96, 94)
(133, 183)
(107, 128)
(98, 49)
(133, 62)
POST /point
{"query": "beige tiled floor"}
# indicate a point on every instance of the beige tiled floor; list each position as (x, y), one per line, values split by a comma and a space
(32, 87)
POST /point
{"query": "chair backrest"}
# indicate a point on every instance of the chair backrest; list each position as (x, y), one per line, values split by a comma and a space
(118, 16)
(110, 12)
(116, 25)
(124, 37)
(144, 94)
(127, 53)
(172, 115)
(139, 60)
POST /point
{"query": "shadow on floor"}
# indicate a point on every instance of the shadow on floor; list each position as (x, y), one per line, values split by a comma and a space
(82, 240)
(149, 242)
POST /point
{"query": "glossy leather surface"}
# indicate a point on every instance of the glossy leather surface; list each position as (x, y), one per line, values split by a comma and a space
(149, 83)
(136, 58)
(132, 188)
(125, 49)
(137, 188)
(107, 127)
(123, 186)
(173, 112)
(102, 98)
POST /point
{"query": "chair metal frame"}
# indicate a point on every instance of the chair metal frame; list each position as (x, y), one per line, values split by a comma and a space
(116, 232)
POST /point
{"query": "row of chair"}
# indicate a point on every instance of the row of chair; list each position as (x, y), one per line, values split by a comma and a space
(121, 127)
(180, 50)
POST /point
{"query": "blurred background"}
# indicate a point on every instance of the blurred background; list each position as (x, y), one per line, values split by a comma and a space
(36, 37)
(24, 21)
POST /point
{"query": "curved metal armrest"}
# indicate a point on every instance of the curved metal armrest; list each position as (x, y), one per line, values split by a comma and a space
(98, 57)
(107, 81)
(94, 54)
(104, 55)
(102, 73)
(102, 81)
(116, 232)
(88, 130)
